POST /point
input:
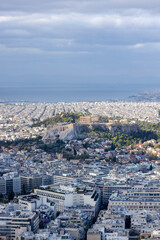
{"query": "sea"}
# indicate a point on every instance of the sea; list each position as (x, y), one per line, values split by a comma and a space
(70, 93)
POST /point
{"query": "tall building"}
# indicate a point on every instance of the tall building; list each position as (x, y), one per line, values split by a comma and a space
(17, 185)
(28, 183)
(2, 186)
(14, 223)
(9, 185)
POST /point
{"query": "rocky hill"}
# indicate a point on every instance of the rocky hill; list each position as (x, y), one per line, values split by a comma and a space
(73, 131)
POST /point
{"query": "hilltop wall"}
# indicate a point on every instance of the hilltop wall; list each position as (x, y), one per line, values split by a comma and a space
(73, 131)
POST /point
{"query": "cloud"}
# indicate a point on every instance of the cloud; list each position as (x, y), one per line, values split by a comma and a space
(53, 39)
(72, 25)
(146, 46)
(137, 45)
(78, 27)
(33, 51)
(137, 19)
(82, 6)
(16, 32)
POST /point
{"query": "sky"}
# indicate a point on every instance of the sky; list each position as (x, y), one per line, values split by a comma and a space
(80, 43)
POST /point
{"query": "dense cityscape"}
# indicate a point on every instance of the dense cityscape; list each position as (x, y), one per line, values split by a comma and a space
(85, 170)
(16, 119)
(79, 119)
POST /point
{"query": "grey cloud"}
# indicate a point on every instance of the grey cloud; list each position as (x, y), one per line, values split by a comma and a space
(76, 5)
(38, 23)
(88, 37)
(15, 32)
(134, 18)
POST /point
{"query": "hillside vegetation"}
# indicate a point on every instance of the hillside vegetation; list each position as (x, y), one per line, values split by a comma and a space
(59, 118)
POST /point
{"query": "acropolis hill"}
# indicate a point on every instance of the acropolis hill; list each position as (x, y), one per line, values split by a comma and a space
(70, 131)
(17, 119)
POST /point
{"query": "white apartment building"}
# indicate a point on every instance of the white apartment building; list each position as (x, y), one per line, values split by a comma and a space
(32, 202)
(64, 198)
(14, 223)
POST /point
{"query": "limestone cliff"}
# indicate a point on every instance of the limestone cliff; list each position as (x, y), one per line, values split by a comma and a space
(69, 132)
(73, 131)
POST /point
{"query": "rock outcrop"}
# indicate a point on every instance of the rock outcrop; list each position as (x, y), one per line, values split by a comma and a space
(65, 132)
(73, 131)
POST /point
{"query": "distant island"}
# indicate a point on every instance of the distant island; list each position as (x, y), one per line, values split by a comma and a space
(150, 96)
